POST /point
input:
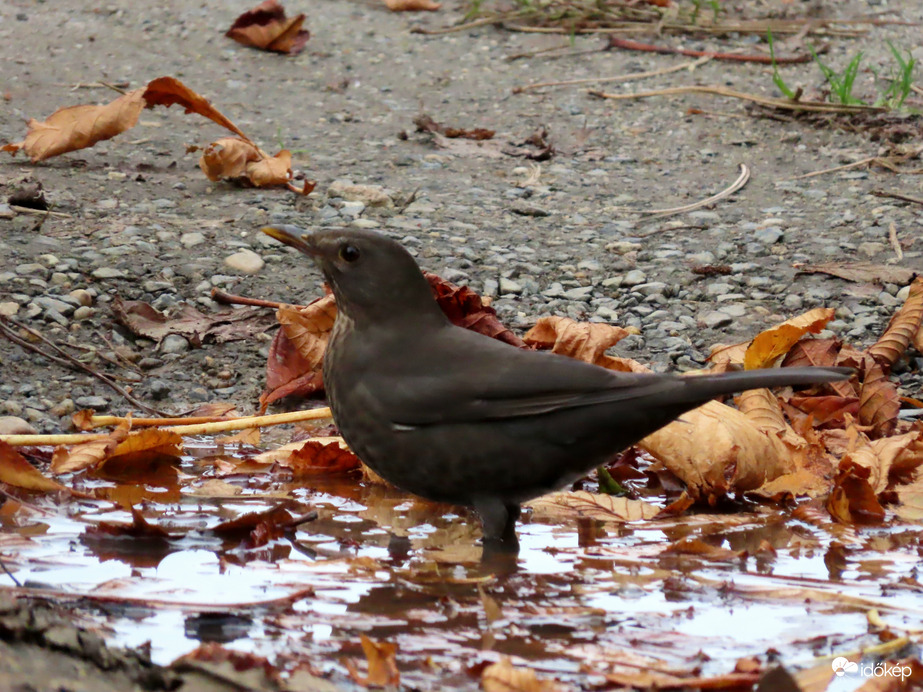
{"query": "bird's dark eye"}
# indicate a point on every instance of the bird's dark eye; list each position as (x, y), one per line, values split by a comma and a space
(349, 253)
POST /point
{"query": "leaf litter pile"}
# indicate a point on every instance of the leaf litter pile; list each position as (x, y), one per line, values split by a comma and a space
(744, 544)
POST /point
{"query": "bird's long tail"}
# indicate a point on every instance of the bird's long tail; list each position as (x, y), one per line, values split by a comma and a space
(702, 387)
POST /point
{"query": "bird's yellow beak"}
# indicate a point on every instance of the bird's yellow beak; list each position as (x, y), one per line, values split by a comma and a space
(293, 236)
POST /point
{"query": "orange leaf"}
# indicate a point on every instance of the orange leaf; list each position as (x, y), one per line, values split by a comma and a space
(15, 470)
(266, 27)
(776, 341)
(167, 91)
(382, 666)
(467, 309)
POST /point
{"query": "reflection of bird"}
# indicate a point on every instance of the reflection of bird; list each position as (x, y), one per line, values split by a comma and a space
(459, 417)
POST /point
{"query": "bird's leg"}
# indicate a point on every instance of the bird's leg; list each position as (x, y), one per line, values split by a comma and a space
(498, 522)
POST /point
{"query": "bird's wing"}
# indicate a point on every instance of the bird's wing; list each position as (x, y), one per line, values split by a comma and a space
(461, 376)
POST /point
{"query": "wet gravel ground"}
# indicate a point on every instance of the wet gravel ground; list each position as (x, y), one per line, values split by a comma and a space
(139, 220)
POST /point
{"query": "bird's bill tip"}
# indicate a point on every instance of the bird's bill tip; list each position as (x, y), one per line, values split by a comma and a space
(293, 236)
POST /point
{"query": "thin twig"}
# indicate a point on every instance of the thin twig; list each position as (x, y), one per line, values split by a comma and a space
(68, 360)
(194, 429)
(895, 243)
(40, 212)
(846, 166)
(784, 104)
(628, 44)
(220, 296)
(898, 195)
(620, 78)
(742, 180)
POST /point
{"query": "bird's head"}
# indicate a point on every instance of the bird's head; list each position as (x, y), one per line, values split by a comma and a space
(371, 275)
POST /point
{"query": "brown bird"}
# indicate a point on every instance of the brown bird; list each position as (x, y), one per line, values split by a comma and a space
(456, 416)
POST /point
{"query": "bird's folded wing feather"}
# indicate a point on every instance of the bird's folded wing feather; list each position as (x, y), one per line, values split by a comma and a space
(475, 381)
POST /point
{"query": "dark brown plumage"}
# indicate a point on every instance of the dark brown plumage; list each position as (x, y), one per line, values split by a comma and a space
(458, 417)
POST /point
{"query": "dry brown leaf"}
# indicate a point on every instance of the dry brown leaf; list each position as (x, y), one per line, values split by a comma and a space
(826, 410)
(272, 170)
(863, 272)
(853, 500)
(902, 328)
(229, 325)
(586, 341)
(150, 440)
(572, 505)
(88, 454)
(412, 5)
(228, 158)
(716, 450)
(467, 309)
(699, 548)
(15, 470)
(315, 458)
(768, 345)
(503, 676)
(722, 355)
(909, 505)
(308, 328)
(79, 127)
(889, 459)
(382, 665)
(762, 407)
(879, 403)
(266, 27)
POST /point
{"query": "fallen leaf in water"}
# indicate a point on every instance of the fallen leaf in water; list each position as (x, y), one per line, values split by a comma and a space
(572, 505)
(503, 676)
(15, 470)
(382, 665)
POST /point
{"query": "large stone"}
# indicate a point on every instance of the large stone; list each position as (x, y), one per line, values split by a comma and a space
(246, 261)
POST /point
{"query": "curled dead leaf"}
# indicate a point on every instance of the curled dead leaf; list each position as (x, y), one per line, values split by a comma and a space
(853, 500)
(902, 328)
(879, 402)
(88, 454)
(586, 341)
(266, 27)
